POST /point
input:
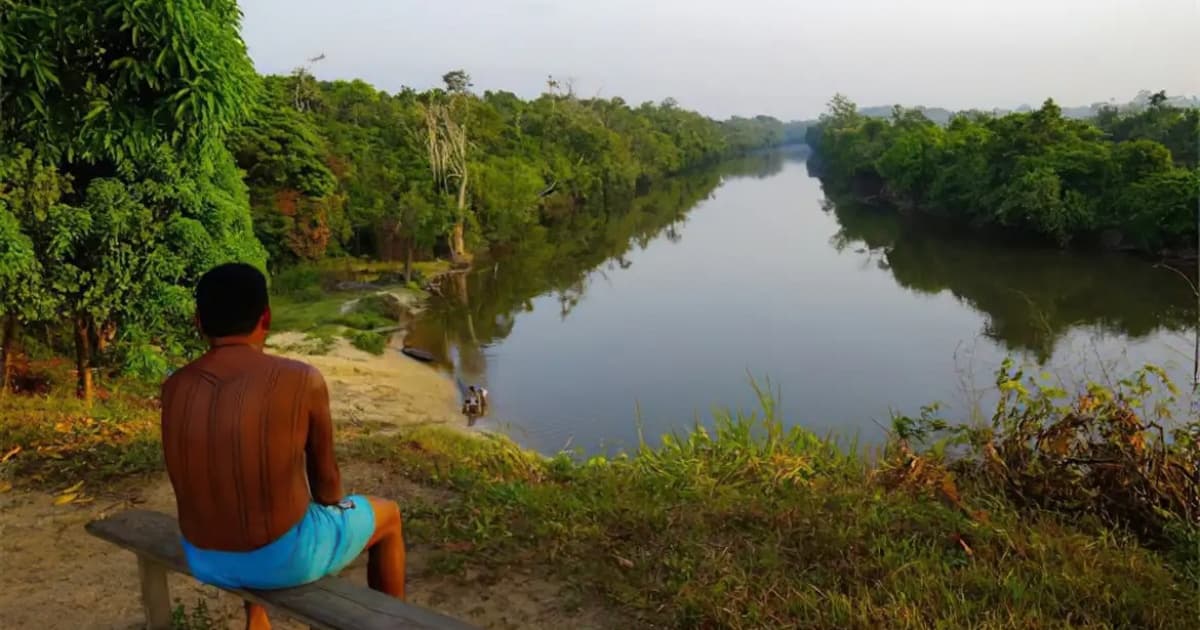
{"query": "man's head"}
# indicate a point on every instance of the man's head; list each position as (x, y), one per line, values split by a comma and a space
(231, 301)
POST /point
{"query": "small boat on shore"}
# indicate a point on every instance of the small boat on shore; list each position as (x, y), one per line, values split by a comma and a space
(418, 354)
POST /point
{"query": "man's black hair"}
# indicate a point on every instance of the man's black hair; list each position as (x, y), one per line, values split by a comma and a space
(230, 299)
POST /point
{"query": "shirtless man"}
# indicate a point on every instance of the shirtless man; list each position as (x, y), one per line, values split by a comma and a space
(248, 441)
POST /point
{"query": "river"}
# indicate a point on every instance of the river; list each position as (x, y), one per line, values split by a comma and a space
(659, 312)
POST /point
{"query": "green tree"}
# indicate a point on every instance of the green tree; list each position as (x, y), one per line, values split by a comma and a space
(130, 102)
(528, 163)
(29, 191)
(293, 193)
(507, 194)
(101, 84)
(422, 220)
(1035, 172)
(1160, 209)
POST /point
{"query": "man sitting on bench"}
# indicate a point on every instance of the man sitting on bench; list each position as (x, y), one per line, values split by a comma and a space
(248, 441)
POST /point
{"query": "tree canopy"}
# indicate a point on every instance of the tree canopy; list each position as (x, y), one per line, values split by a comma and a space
(1127, 179)
(142, 149)
(116, 114)
(524, 163)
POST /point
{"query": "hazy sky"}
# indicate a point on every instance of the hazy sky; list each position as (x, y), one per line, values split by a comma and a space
(722, 57)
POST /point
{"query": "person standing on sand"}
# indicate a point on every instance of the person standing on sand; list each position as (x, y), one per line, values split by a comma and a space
(477, 397)
(248, 442)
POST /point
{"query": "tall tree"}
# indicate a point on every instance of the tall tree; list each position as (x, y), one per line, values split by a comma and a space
(130, 101)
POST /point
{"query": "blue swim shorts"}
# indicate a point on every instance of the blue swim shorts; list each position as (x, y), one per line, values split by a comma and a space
(326, 540)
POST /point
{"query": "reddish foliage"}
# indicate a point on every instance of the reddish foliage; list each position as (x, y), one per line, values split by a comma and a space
(337, 166)
(310, 232)
(286, 201)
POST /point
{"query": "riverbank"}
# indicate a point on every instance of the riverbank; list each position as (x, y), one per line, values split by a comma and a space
(746, 524)
(65, 464)
(377, 391)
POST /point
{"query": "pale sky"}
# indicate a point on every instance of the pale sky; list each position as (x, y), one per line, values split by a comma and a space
(723, 57)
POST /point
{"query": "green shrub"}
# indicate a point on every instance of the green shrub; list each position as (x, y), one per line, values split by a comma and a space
(381, 304)
(302, 279)
(359, 320)
(367, 341)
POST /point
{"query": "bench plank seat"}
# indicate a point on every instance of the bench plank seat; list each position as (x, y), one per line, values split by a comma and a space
(329, 604)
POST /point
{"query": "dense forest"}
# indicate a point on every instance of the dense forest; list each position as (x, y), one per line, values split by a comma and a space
(343, 168)
(141, 148)
(1126, 179)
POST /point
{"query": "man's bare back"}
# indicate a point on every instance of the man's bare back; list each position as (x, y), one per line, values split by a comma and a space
(248, 442)
(246, 435)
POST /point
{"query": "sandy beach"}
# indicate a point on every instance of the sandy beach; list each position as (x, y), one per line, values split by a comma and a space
(365, 389)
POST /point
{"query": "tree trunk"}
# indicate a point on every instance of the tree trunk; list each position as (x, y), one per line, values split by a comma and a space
(457, 242)
(408, 260)
(83, 358)
(10, 340)
(460, 288)
(103, 335)
(459, 247)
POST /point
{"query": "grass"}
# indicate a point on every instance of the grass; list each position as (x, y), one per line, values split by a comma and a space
(422, 269)
(304, 314)
(198, 617)
(323, 316)
(370, 342)
(55, 439)
(305, 280)
(750, 524)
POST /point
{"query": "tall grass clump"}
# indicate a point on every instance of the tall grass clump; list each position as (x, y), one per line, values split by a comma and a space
(1114, 453)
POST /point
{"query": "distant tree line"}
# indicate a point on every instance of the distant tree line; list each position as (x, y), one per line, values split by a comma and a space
(345, 168)
(1128, 179)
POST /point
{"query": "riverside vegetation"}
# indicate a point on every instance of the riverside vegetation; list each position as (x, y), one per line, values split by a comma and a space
(141, 149)
(1129, 180)
(1074, 510)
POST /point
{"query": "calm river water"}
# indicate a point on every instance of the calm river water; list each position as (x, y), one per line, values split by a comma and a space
(664, 309)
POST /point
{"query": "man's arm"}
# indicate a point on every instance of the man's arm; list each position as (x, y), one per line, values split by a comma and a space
(323, 477)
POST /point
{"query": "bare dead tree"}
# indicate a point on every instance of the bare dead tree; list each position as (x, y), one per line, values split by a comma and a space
(448, 149)
(301, 95)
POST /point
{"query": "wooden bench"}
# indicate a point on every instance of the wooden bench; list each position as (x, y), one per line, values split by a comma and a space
(329, 604)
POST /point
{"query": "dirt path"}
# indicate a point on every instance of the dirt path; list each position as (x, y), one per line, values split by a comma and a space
(54, 575)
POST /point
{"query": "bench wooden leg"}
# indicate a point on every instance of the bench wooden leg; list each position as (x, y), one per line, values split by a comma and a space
(156, 598)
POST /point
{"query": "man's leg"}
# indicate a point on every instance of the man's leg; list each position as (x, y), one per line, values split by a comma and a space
(256, 617)
(385, 555)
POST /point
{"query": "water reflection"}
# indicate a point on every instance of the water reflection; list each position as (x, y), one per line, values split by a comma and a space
(1031, 297)
(480, 308)
(663, 303)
